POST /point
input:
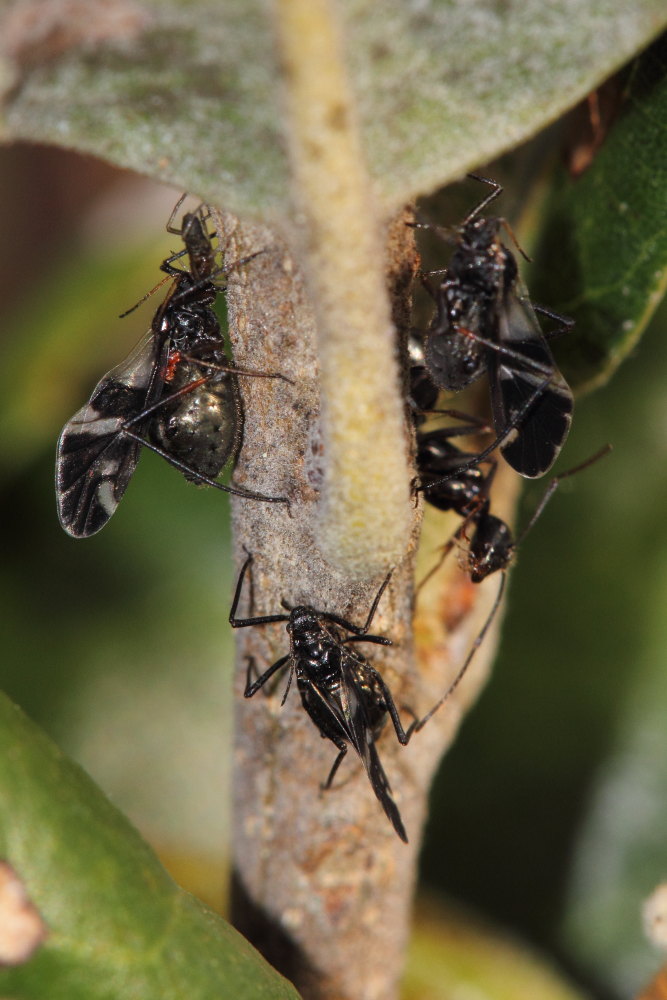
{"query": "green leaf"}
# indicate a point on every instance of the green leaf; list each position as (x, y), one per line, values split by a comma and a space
(603, 259)
(118, 927)
(189, 92)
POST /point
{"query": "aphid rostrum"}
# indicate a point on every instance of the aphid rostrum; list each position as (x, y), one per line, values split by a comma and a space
(343, 694)
(176, 394)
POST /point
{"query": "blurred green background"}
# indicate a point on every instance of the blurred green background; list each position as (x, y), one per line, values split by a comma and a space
(549, 815)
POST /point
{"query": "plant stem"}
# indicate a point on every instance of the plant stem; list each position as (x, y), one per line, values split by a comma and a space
(322, 884)
(365, 519)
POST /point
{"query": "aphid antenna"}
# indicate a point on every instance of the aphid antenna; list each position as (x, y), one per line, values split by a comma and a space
(446, 549)
(289, 680)
(169, 227)
(497, 191)
(452, 235)
(363, 631)
(179, 231)
(153, 290)
(555, 483)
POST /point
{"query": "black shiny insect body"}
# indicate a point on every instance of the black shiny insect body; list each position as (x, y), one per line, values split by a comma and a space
(344, 695)
(466, 303)
(485, 322)
(458, 486)
(202, 426)
(177, 395)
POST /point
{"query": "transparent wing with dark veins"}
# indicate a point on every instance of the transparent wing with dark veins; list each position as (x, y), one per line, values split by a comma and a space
(534, 446)
(95, 460)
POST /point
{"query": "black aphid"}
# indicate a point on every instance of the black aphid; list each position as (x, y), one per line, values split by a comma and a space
(485, 322)
(176, 394)
(342, 693)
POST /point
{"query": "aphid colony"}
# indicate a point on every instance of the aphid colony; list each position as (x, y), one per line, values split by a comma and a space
(178, 395)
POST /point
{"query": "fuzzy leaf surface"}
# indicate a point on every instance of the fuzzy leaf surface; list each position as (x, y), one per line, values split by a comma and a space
(190, 93)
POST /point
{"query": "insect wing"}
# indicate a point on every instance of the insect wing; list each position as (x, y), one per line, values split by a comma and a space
(95, 460)
(360, 732)
(537, 440)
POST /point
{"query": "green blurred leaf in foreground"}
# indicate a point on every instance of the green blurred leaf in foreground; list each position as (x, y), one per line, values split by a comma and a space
(603, 259)
(188, 93)
(118, 927)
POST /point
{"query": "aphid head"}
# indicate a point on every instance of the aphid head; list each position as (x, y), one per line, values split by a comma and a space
(302, 620)
(480, 234)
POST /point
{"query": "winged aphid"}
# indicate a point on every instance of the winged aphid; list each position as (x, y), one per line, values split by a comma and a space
(176, 394)
(485, 322)
(343, 694)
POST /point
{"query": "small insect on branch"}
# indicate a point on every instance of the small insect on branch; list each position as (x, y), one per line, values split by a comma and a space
(343, 694)
(177, 395)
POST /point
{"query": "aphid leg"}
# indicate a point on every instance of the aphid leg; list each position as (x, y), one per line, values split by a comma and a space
(477, 425)
(390, 704)
(380, 640)
(564, 324)
(245, 622)
(506, 352)
(342, 747)
(182, 466)
(444, 552)
(252, 687)
(199, 476)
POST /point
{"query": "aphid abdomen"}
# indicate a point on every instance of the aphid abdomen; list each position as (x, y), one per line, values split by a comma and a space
(454, 361)
(202, 428)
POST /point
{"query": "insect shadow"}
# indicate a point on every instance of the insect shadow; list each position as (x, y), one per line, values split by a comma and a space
(485, 322)
(342, 693)
(490, 544)
(177, 394)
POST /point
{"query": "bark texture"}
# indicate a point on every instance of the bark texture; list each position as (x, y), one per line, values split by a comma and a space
(323, 886)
